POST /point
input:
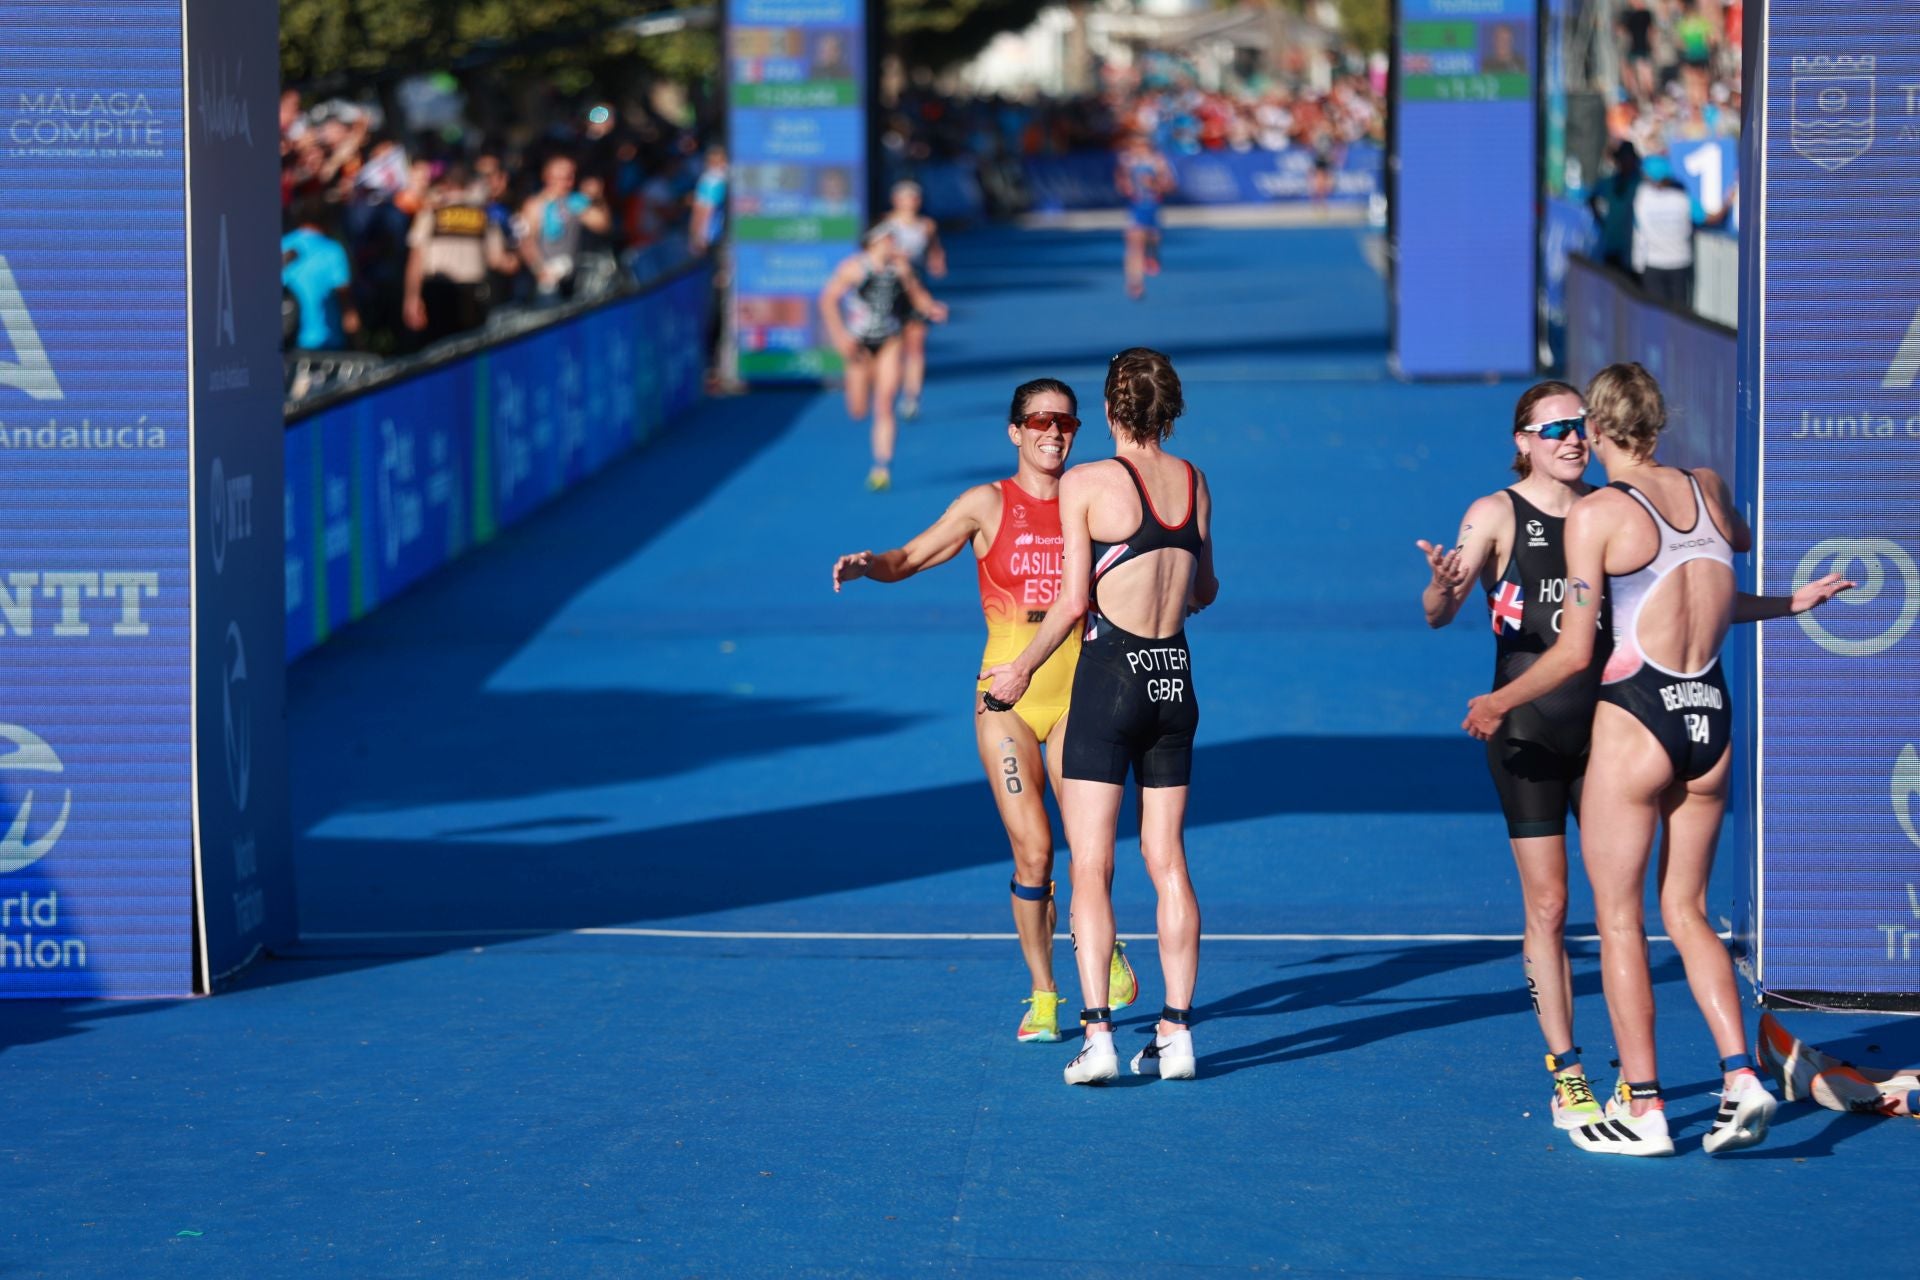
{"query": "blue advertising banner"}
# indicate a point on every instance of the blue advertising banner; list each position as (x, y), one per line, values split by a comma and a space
(388, 486)
(245, 845)
(301, 518)
(1569, 230)
(1464, 188)
(96, 776)
(797, 121)
(1830, 337)
(1084, 179)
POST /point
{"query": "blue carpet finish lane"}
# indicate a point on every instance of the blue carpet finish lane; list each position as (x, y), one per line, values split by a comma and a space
(644, 707)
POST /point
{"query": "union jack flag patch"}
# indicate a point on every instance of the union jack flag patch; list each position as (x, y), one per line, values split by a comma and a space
(1508, 607)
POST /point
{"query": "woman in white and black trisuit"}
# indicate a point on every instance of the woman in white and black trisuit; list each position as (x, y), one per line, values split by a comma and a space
(1512, 544)
(918, 238)
(861, 307)
(1659, 543)
(1137, 560)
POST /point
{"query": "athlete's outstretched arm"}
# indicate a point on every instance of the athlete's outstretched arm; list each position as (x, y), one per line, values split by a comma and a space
(1473, 550)
(1748, 608)
(1589, 526)
(964, 519)
(1206, 587)
(1010, 679)
(843, 278)
(923, 302)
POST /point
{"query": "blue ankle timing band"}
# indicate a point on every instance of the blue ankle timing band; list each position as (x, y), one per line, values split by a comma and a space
(1739, 1061)
(1558, 1062)
(1913, 1102)
(1029, 893)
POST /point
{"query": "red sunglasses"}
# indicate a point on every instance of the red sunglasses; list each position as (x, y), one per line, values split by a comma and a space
(1041, 421)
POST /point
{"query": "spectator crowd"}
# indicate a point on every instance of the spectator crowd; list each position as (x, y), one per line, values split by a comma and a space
(1678, 83)
(1160, 101)
(393, 242)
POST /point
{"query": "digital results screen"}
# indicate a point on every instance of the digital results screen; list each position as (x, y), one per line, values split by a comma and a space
(1839, 400)
(1464, 133)
(797, 187)
(96, 860)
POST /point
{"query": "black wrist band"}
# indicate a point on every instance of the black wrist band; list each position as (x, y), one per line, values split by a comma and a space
(994, 704)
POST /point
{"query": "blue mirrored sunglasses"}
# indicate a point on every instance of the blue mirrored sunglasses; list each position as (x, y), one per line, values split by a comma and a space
(1561, 429)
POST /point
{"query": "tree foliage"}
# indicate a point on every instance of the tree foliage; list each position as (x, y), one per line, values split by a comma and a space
(364, 40)
(1368, 24)
(935, 34)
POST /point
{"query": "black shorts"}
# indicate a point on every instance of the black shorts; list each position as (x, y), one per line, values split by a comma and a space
(1692, 716)
(1539, 764)
(1133, 706)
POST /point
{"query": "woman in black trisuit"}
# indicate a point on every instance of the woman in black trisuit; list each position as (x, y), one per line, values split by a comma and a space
(1138, 559)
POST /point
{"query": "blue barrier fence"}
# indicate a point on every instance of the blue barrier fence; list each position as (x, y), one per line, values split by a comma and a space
(387, 486)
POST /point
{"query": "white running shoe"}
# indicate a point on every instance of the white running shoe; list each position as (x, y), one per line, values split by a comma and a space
(1621, 1133)
(1170, 1058)
(1745, 1112)
(1790, 1060)
(909, 407)
(1096, 1063)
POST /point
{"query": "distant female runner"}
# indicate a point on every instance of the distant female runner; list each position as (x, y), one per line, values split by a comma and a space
(1014, 529)
(1511, 543)
(1659, 542)
(919, 239)
(1144, 180)
(1133, 576)
(862, 305)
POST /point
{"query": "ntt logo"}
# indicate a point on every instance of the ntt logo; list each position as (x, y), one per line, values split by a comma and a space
(29, 839)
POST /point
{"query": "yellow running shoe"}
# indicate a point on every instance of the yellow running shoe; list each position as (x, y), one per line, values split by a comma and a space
(1122, 987)
(879, 480)
(1042, 1021)
(1573, 1102)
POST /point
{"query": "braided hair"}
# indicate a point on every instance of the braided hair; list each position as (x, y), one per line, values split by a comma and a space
(1143, 394)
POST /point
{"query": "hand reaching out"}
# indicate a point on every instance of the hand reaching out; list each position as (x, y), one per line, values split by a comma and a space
(849, 567)
(1448, 568)
(1819, 591)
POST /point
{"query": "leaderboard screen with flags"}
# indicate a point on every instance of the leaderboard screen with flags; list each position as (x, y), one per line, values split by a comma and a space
(1464, 158)
(798, 184)
(1830, 383)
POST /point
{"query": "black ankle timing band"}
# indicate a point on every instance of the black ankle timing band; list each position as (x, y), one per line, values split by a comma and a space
(1644, 1089)
(1170, 1014)
(1102, 1014)
(1558, 1062)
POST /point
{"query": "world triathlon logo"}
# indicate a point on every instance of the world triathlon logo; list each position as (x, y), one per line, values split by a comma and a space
(28, 840)
(1889, 593)
(1833, 109)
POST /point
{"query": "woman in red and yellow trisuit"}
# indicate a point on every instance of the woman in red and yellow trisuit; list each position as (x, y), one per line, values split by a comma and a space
(1014, 529)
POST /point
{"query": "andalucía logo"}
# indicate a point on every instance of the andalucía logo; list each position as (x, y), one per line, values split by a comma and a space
(23, 846)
